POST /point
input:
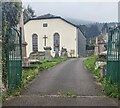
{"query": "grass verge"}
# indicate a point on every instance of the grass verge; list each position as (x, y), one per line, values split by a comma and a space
(108, 88)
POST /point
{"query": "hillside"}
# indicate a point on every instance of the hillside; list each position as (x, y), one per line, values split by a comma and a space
(89, 28)
(78, 21)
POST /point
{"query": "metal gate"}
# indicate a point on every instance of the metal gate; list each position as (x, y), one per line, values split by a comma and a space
(14, 58)
(113, 55)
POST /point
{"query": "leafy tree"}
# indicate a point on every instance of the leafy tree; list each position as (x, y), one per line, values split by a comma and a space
(28, 13)
(11, 12)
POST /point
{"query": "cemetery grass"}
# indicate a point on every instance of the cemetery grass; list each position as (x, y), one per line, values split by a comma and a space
(109, 89)
(30, 74)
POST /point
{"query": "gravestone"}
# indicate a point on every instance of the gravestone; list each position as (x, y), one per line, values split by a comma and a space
(56, 54)
(25, 62)
(102, 71)
(48, 53)
(72, 52)
(36, 56)
(64, 52)
(96, 47)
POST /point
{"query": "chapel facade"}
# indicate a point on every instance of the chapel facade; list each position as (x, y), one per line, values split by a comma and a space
(55, 32)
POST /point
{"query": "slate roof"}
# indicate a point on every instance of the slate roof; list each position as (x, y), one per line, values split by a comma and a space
(47, 16)
(50, 16)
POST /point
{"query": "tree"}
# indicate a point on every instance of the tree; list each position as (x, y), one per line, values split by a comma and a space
(105, 28)
(91, 31)
(84, 29)
(11, 12)
(28, 13)
(94, 31)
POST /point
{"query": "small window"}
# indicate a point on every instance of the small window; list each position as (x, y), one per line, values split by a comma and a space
(45, 25)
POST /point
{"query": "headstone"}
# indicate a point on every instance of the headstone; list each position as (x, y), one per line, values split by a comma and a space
(48, 53)
(56, 54)
(96, 47)
(72, 52)
(102, 71)
(64, 52)
(36, 56)
(25, 62)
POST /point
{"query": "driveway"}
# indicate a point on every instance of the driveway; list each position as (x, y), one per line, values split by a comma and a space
(50, 88)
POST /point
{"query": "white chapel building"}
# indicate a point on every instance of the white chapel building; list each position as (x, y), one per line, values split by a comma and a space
(55, 32)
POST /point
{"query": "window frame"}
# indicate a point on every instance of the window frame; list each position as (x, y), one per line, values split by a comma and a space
(35, 43)
(45, 24)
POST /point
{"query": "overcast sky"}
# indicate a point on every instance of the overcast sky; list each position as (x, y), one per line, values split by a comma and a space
(98, 11)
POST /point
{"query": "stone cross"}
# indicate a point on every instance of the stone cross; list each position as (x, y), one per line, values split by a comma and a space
(45, 39)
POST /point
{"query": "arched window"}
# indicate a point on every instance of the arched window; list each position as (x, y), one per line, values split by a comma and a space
(35, 42)
(56, 42)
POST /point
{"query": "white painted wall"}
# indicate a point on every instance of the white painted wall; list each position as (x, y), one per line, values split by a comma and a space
(67, 32)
